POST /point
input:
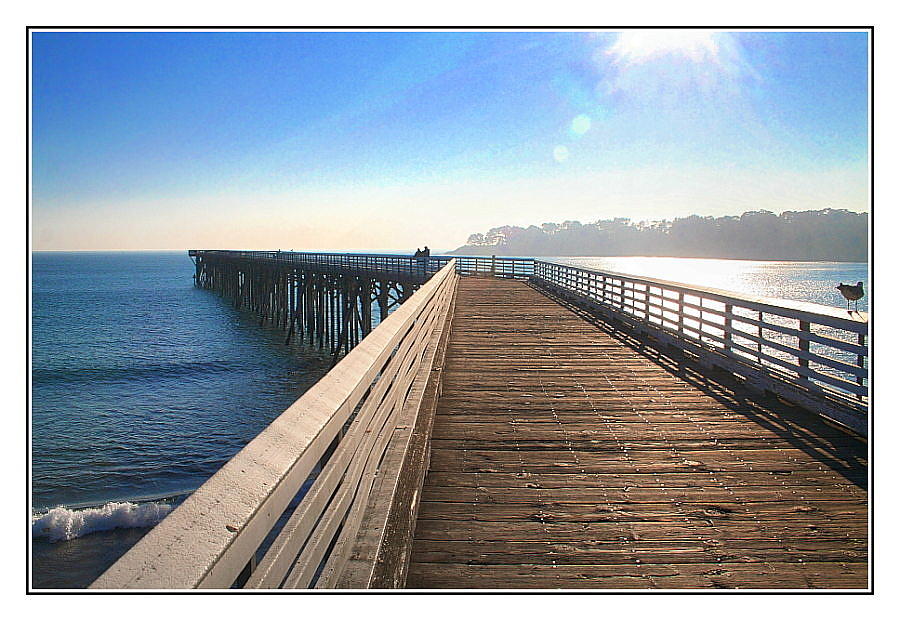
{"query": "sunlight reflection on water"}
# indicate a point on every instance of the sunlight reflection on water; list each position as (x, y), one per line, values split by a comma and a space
(812, 281)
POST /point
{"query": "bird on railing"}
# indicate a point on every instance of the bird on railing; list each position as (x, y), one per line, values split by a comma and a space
(851, 293)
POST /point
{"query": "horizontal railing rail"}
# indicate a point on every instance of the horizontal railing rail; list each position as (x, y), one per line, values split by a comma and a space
(504, 267)
(507, 267)
(813, 349)
(376, 264)
(361, 411)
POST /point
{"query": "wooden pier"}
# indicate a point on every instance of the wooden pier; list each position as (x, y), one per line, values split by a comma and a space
(517, 424)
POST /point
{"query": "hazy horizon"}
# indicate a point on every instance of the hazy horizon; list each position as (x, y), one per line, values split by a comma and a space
(394, 140)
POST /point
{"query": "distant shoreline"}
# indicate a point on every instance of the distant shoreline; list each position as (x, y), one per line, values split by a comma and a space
(816, 235)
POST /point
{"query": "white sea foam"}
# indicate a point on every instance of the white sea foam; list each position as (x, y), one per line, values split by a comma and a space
(63, 524)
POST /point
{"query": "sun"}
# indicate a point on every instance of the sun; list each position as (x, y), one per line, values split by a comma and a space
(636, 46)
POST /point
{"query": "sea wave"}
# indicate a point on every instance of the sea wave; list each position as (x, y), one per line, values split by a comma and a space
(135, 372)
(64, 524)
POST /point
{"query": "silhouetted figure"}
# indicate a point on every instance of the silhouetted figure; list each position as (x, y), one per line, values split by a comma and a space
(426, 252)
(851, 293)
(418, 253)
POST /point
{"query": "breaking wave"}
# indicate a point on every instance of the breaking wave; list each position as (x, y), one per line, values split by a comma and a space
(64, 524)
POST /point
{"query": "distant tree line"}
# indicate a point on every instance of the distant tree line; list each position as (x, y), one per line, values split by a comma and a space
(823, 235)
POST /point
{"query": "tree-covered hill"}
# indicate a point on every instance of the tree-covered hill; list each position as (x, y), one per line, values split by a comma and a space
(823, 235)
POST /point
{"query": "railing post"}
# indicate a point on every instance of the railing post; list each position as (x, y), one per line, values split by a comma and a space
(646, 302)
(700, 318)
(726, 337)
(860, 360)
(804, 347)
(759, 340)
(246, 572)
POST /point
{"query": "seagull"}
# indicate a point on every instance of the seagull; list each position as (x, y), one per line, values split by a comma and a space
(851, 293)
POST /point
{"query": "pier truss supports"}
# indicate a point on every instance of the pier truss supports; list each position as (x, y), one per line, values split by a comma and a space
(328, 308)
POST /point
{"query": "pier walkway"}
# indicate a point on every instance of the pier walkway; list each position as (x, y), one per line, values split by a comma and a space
(564, 454)
(511, 423)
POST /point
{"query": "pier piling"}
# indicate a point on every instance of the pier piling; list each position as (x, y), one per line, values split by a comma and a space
(319, 301)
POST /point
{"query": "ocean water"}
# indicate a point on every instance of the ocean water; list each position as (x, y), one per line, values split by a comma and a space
(143, 386)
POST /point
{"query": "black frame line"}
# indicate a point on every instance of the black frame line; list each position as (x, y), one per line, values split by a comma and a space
(871, 499)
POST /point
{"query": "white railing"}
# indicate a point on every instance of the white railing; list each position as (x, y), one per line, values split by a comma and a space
(357, 420)
(800, 350)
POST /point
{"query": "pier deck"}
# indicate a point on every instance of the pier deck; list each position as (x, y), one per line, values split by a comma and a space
(566, 454)
(517, 423)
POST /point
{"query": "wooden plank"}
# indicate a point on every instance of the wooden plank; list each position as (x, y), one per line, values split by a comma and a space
(840, 575)
(566, 440)
(663, 460)
(625, 533)
(772, 479)
(699, 494)
(761, 551)
(488, 510)
(637, 429)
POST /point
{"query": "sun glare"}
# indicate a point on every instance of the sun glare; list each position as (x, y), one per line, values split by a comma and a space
(672, 67)
(637, 46)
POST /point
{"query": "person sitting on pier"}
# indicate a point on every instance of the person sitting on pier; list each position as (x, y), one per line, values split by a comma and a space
(418, 253)
(426, 252)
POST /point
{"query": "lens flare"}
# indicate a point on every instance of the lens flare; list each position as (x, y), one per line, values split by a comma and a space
(580, 125)
(560, 153)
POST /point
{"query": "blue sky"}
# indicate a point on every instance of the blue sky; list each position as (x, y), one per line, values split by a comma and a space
(393, 140)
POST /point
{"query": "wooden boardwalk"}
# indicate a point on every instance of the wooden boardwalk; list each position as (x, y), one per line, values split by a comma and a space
(565, 455)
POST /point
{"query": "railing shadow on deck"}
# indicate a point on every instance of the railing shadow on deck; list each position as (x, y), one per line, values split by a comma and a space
(358, 422)
(837, 447)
